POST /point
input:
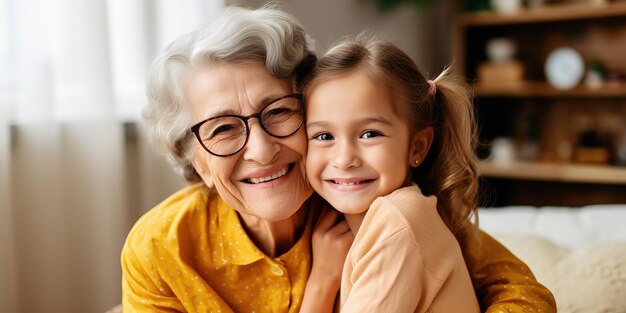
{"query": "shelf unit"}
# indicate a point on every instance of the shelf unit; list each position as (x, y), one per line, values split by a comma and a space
(532, 110)
(539, 89)
(570, 172)
(550, 14)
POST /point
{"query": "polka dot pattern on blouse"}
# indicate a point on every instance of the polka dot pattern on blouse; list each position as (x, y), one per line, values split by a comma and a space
(191, 254)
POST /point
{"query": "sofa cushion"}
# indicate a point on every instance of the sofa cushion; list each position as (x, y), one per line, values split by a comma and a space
(578, 253)
(591, 278)
(570, 227)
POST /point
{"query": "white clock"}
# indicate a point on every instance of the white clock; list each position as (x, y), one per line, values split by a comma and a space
(564, 68)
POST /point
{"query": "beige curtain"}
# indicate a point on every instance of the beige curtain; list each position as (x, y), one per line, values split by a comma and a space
(75, 171)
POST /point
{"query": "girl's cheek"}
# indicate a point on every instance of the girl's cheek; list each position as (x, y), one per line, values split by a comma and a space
(312, 164)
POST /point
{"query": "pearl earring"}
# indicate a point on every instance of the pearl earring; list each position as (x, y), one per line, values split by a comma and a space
(416, 162)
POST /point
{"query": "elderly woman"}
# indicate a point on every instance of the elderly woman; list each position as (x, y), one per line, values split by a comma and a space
(249, 235)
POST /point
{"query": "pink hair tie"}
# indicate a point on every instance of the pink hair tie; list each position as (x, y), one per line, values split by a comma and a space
(433, 87)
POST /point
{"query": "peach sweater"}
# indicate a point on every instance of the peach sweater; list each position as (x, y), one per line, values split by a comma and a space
(405, 259)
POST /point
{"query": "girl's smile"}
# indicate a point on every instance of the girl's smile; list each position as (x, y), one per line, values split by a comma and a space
(349, 184)
(359, 147)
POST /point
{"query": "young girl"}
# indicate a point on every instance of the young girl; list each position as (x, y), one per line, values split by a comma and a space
(394, 153)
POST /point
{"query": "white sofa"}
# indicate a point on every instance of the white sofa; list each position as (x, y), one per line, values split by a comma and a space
(578, 253)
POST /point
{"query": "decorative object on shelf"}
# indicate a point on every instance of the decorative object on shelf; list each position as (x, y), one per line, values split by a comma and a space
(501, 50)
(615, 78)
(595, 75)
(594, 80)
(501, 68)
(591, 148)
(564, 68)
(506, 6)
(503, 151)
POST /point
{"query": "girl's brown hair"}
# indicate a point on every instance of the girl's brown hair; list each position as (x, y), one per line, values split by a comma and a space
(450, 169)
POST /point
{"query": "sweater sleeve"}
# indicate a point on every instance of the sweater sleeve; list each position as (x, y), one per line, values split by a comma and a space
(503, 283)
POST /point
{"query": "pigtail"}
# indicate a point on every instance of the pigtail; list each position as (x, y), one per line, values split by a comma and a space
(450, 170)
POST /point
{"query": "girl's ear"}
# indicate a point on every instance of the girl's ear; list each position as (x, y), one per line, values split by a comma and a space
(420, 144)
(201, 165)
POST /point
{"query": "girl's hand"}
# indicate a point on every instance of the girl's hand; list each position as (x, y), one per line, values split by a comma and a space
(332, 239)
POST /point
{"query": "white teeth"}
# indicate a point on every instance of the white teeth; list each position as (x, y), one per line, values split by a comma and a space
(346, 183)
(258, 180)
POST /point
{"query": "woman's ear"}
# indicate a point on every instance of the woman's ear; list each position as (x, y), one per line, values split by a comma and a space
(201, 165)
(420, 144)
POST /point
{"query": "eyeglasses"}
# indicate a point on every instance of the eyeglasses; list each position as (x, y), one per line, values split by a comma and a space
(226, 135)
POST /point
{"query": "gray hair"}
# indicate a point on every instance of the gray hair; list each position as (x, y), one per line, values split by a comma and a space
(266, 35)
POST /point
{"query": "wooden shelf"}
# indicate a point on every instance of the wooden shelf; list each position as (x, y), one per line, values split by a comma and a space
(542, 89)
(545, 14)
(573, 173)
(534, 109)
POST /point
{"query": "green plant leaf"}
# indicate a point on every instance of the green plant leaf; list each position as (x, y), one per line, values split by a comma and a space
(388, 5)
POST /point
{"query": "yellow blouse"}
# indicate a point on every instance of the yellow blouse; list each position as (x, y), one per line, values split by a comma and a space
(187, 256)
(504, 283)
(191, 254)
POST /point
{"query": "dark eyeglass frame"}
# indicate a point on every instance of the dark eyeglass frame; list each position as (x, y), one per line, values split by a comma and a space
(195, 129)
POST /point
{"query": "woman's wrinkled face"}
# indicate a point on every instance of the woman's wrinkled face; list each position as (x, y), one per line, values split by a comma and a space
(267, 177)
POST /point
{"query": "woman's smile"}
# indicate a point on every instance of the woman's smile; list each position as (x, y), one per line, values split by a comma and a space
(274, 175)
